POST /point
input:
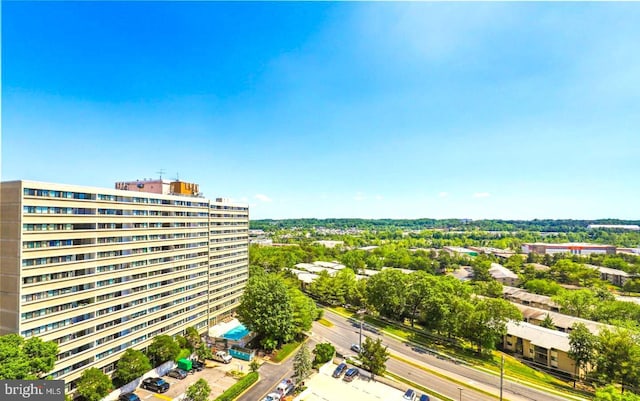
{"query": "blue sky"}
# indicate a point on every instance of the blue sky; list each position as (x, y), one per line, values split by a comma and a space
(372, 110)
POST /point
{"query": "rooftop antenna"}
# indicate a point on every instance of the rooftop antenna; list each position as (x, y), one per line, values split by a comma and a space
(160, 172)
(177, 177)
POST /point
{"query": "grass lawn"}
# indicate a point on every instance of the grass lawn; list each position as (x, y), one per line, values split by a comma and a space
(286, 350)
(325, 322)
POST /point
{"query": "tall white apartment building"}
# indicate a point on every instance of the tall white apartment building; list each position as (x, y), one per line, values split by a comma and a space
(100, 270)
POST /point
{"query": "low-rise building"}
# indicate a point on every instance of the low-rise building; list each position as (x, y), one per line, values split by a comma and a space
(561, 321)
(523, 297)
(503, 275)
(614, 276)
(458, 250)
(546, 347)
(574, 248)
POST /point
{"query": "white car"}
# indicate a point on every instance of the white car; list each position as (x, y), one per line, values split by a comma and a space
(272, 397)
(355, 348)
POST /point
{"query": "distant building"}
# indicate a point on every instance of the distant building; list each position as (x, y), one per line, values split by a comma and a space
(561, 321)
(329, 244)
(458, 250)
(633, 227)
(614, 276)
(520, 296)
(502, 253)
(574, 248)
(368, 248)
(503, 275)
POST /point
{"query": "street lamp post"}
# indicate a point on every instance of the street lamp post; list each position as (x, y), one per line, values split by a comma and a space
(361, 312)
(460, 388)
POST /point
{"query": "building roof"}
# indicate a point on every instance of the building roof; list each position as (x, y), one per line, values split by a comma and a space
(330, 265)
(368, 248)
(524, 295)
(540, 336)
(538, 267)
(458, 249)
(569, 244)
(498, 271)
(608, 270)
(562, 321)
(464, 273)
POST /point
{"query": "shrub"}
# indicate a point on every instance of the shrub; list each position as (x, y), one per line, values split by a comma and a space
(184, 354)
(234, 391)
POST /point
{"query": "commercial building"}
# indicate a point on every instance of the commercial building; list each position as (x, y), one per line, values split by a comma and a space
(99, 270)
(574, 248)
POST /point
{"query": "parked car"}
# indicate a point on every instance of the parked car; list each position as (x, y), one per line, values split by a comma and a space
(340, 370)
(272, 397)
(197, 365)
(128, 397)
(355, 348)
(424, 397)
(410, 395)
(177, 374)
(351, 374)
(155, 384)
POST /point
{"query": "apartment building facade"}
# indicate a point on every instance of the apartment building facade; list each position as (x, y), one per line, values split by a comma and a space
(100, 270)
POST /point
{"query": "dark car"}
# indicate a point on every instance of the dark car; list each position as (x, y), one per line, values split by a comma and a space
(128, 397)
(177, 374)
(409, 395)
(340, 370)
(155, 384)
(351, 374)
(424, 397)
(197, 365)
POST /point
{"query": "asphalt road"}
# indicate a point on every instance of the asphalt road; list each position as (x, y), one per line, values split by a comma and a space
(344, 333)
(270, 375)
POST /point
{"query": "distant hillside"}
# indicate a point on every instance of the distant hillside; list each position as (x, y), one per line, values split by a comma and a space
(450, 224)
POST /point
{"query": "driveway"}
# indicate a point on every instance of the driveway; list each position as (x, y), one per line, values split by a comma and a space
(216, 377)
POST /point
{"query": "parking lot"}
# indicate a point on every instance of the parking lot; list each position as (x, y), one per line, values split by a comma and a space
(217, 378)
(323, 387)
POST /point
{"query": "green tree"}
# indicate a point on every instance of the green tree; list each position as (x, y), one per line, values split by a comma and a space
(198, 391)
(582, 345)
(419, 286)
(131, 365)
(193, 338)
(267, 309)
(22, 359)
(611, 393)
(488, 322)
(302, 364)
(548, 322)
(386, 292)
(163, 348)
(374, 356)
(618, 357)
(543, 287)
(94, 385)
(323, 352)
(304, 311)
(203, 352)
(576, 302)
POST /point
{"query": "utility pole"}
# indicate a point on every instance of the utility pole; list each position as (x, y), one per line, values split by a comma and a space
(361, 313)
(460, 388)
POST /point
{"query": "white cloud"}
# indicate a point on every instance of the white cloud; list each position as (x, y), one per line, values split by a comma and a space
(481, 195)
(359, 197)
(262, 197)
(379, 197)
(443, 194)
